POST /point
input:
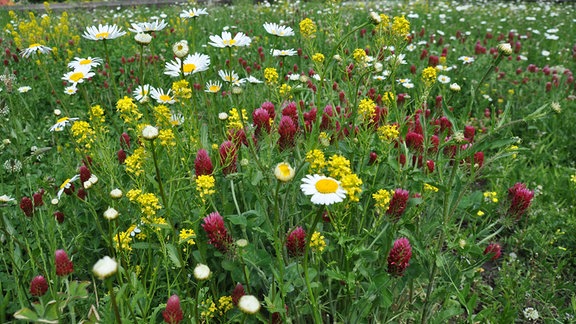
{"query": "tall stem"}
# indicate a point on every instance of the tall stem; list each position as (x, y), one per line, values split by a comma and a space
(313, 302)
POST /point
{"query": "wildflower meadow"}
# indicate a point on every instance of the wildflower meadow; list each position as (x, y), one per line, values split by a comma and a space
(292, 162)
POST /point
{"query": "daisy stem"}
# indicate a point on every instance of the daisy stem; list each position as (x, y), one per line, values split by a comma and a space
(111, 71)
(159, 180)
(141, 77)
(113, 299)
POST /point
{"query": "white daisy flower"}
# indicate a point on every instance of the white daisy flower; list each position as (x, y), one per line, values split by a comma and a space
(78, 75)
(61, 123)
(147, 27)
(294, 77)
(278, 30)
(408, 85)
(103, 32)
(176, 119)
(80, 62)
(324, 190)
(24, 89)
(192, 64)
(253, 80)
(290, 52)
(193, 13)
(400, 81)
(396, 60)
(231, 76)
(466, 59)
(161, 97)
(226, 40)
(141, 93)
(66, 185)
(213, 86)
(35, 48)
(443, 79)
(6, 199)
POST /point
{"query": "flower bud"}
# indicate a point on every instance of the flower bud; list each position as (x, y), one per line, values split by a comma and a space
(150, 132)
(505, 49)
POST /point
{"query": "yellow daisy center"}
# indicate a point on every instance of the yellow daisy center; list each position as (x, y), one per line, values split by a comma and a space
(284, 169)
(229, 42)
(187, 68)
(61, 120)
(65, 184)
(34, 45)
(214, 88)
(326, 186)
(76, 76)
(85, 62)
(102, 35)
(165, 97)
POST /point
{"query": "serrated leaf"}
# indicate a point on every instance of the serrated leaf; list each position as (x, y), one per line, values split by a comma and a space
(173, 255)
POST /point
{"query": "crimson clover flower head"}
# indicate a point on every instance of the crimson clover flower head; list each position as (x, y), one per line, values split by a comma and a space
(398, 204)
(63, 264)
(237, 293)
(202, 163)
(27, 206)
(228, 157)
(287, 130)
(38, 286)
(494, 250)
(218, 235)
(520, 199)
(296, 242)
(173, 312)
(399, 257)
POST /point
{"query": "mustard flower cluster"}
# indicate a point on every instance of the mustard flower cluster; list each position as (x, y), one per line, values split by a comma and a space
(209, 308)
(383, 198)
(318, 57)
(123, 240)
(429, 76)
(83, 134)
(316, 159)
(285, 90)
(148, 202)
(317, 242)
(490, 196)
(388, 133)
(128, 110)
(187, 236)
(429, 187)
(225, 304)
(359, 55)
(234, 121)
(163, 115)
(270, 75)
(134, 163)
(400, 26)
(307, 28)
(366, 108)
(167, 137)
(181, 89)
(339, 168)
(205, 186)
(388, 98)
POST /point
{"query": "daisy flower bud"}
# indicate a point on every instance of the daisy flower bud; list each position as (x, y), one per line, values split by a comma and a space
(180, 49)
(143, 38)
(105, 267)
(455, 87)
(150, 132)
(116, 193)
(505, 49)
(111, 213)
(249, 304)
(375, 18)
(201, 272)
(284, 172)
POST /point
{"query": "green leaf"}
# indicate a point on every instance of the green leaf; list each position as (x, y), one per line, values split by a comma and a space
(78, 289)
(173, 255)
(26, 314)
(238, 220)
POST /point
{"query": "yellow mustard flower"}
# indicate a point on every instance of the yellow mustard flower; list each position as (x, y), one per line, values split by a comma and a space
(316, 159)
(307, 28)
(317, 242)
